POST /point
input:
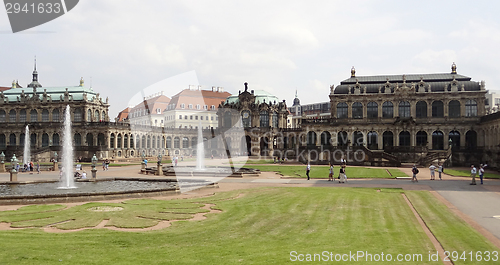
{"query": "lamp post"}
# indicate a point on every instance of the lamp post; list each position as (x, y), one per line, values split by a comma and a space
(93, 170)
(159, 170)
(13, 172)
(2, 162)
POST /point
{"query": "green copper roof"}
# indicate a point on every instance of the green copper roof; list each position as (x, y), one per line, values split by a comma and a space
(261, 96)
(55, 93)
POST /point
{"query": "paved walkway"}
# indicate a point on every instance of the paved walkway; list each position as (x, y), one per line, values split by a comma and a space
(480, 202)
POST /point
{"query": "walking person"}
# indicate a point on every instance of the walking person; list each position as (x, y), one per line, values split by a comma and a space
(473, 172)
(308, 168)
(342, 176)
(481, 173)
(330, 176)
(440, 170)
(432, 168)
(414, 170)
(38, 168)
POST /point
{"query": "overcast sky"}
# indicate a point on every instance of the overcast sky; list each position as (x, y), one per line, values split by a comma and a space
(278, 46)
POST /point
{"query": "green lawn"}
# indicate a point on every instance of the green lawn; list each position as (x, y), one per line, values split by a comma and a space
(466, 173)
(263, 226)
(396, 173)
(321, 172)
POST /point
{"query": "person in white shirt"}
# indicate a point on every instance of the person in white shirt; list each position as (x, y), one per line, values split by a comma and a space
(433, 170)
(440, 170)
(481, 172)
(473, 172)
(308, 168)
(330, 176)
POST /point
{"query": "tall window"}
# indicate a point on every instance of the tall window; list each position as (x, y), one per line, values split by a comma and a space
(12, 115)
(404, 109)
(387, 110)
(437, 109)
(33, 115)
(77, 115)
(275, 120)
(387, 139)
(357, 110)
(177, 142)
(227, 119)
(185, 142)
(342, 110)
(78, 139)
(55, 115)
(2, 116)
(421, 138)
(404, 138)
(421, 109)
(454, 109)
(22, 116)
(89, 115)
(45, 115)
(97, 116)
(470, 108)
(372, 110)
(437, 140)
(55, 139)
(264, 119)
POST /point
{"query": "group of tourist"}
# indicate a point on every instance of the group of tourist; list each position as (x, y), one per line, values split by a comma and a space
(105, 165)
(473, 172)
(342, 176)
(29, 167)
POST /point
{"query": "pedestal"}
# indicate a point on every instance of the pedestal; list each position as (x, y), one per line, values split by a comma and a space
(94, 173)
(159, 172)
(56, 166)
(143, 165)
(13, 175)
(2, 167)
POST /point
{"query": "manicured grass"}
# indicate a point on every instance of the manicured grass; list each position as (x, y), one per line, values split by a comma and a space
(255, 162)
(396, 173)
(452, 232)
(262, 227)
(321, 172)
(466, 173)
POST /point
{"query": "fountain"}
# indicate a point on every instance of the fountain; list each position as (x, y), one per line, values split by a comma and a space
(27, 146)
(67, 153)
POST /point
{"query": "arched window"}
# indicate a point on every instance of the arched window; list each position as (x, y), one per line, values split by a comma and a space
(245, 117)
(33, 115)
(311, 138)
(357, 138)
(55, 139)
(137, 141)
(421, 109)
(194, 142)
(372, 110)
(100, 140)
(454, 136)
(372, 138)
(325, 138)
(470, 108)
(89, 115)
(342, 110)
(97, 116)
(3, 141)
(2, 116)
(22, 138)
(454, 109)
(90, 139)
(169, 142)
(112, 141)
(387, 139)
(45, 115)
(12, 139)
(342, 139)
(77, 115)
(33, 139)
(177, 142)
(149, 142)
(132, 141)
(22, 116)
(185, 142)
(275, 120)
(437, 140)
(471, 139)
(119, 141)
(387, 110)
(357, 110)
(421, 138)
(12, 115)
(153, 144)
(45, 140)
(437, 109)
(78, 139)
(404, 109)
(404, 138)
(264, 119)
(55, 115)
(125, 141)
(103, 116)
